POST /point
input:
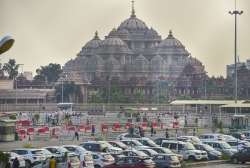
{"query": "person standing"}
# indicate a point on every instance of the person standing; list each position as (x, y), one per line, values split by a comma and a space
(52, 162)
(16, 163)
(93, 130)
(76, 135)
(152, 130)
(166, 133)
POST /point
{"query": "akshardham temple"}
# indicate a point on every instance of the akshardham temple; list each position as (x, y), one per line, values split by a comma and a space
(135, 58)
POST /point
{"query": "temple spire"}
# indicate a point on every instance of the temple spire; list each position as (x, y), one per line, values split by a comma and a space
(96, 35)
(170, 35)
(133, 9)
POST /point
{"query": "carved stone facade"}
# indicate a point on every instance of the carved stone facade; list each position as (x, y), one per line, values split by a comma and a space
(132, 51)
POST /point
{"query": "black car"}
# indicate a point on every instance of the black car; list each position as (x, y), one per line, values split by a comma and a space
(241, 156)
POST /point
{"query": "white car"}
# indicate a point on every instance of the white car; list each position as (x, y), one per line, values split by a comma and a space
(191, 139)
(132, 143)
(102, 159)
(111, 149)
(46, 153)
(212, 137)
(118, 144)
(127, 136)
(32, 157)
(85, 156)
(186, 149)
(57, 150)
(133, 152)
(147, 142)
(19, 157)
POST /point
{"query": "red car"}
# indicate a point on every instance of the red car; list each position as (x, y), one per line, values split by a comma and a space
(132, 162)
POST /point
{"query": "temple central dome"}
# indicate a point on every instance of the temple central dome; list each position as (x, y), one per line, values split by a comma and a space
(133, 23)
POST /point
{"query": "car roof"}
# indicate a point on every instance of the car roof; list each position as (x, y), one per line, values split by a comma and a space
(211, 141)
(171, 141)
(27, 149)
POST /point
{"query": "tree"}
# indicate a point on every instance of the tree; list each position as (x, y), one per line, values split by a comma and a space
(11, 68)
(49, 73)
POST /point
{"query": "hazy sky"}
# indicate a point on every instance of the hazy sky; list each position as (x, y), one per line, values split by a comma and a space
(55, 30)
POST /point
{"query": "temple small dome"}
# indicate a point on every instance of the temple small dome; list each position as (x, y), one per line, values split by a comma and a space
(90, 46)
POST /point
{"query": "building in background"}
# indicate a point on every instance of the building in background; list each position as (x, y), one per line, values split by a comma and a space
(135, 60)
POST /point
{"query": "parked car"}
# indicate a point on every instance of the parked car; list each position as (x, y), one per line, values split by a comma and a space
(247, 135)
(228, 138)
(132, 143)
(158, 141)
(147, 142)
(32, 157)
(211, 152)
(162, 150)
(118, 144)
(19, 157)
(191, 139)
(166, 161)
(221, 146)
(150, 152)
(186, 149)
(133, 152)
(239, 135)
(111, 149)
(46, 153)
(238, 144)
(102, 159)
(132, 162)
(57, 150)
(127, 136)
(241, 156)
(95, 146)
(84, 155)
(211, 137)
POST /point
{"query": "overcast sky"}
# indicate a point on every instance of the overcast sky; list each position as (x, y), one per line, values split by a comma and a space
(55, 30)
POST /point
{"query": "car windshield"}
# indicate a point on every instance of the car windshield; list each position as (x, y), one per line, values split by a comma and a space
(63, 150)
(121, 144)
(37, 152)
(208, 147)
(140, 153)
(149, 151)
(151, 143)
(137, 143)
(46, 152)
(225, 145)
(164, 150)
(189, 146)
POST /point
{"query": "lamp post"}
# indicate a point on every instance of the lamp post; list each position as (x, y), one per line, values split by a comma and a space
(235, 13)
(6, 43)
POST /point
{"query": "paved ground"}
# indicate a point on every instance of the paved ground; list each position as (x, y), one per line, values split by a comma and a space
(227, 166)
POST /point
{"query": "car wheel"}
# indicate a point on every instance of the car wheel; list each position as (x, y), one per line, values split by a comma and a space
(235, 160)
(27, 164)
(97, 166)
(191, 158)
(243, 162)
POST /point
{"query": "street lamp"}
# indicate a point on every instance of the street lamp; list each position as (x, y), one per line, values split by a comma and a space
(235, 13)
(6, 43)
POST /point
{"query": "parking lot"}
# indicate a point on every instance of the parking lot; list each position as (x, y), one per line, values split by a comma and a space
(226, 166)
